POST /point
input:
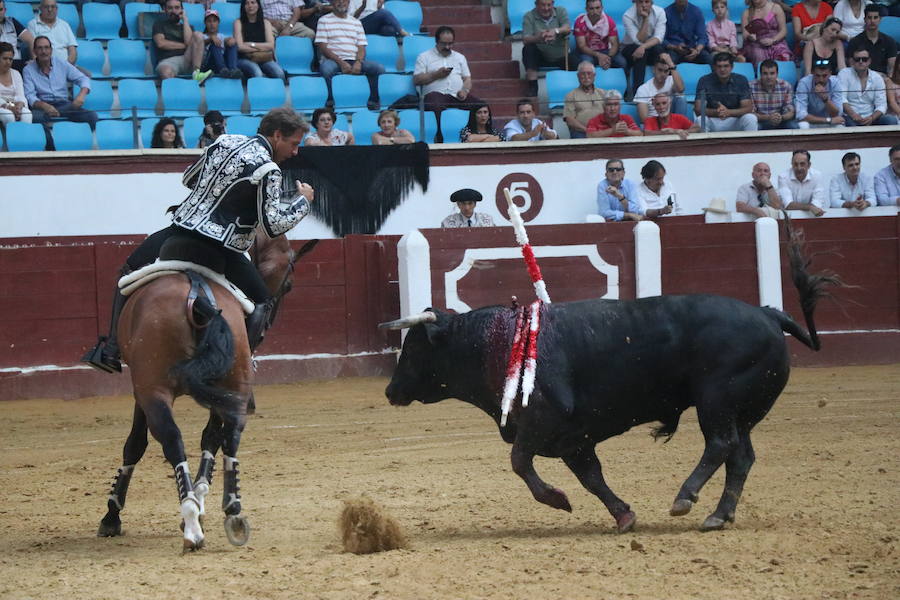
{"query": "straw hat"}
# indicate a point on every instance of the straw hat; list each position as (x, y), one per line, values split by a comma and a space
(717, 205)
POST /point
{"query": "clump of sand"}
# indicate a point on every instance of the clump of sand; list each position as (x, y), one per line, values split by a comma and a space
(365, 527)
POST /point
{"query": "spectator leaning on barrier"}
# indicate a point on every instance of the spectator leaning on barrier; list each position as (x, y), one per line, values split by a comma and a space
(686, 37)
(11, 32)
(819, 100)
(545, 31)
(666, 80)
(882, 48)
(612, 123)
(645, 28)
(178, 47)
(728, 105)
(887, 180)
(527, 127)
(667, 122)
(759, 197)
(802, 187)
(865, 93)
(596, 37)
(213, 127)
(584, 102)
(480, 127)
(852, 188)
(773, 100)
(617, 198)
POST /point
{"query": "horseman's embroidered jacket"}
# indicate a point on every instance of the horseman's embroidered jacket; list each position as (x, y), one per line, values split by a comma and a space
(235, 186)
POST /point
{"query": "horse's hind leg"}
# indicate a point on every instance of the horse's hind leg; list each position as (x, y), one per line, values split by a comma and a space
(237, 528)
(210, 442)
(134, 449)
(162, 426)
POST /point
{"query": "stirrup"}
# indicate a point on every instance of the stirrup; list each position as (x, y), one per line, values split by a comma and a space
(100, 360)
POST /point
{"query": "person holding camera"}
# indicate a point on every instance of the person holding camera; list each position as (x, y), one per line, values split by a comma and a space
(213, 127)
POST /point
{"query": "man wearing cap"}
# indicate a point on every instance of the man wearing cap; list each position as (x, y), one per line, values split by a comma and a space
(759, 197)
(221, 53)
(467, 217)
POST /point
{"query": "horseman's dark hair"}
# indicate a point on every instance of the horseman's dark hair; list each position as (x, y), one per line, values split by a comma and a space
(651, 169)
(473, 120)
(282, 119)
(443, 29)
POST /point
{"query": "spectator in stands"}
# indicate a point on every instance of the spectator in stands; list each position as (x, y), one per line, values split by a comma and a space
(852, 188)
(805, 15)
(865, 94)
(46, 82)
(323, 120)
(165, 135)
(596, 37)
(728, 105)
(773, 100)
(893, 91)
(759, 197)
(48, 24)
(827, 46)
(882, 48)
(801, 187)
(213, 127)
(667, 122)
(764, 30)
(220, 53)
(179, 48)
(617, 198)
(311, 11)
(286, 17)
(11, 32)
(819, 99)
(645, 28)
(342, 43)
(721, 32)
(612, 123)
(13, 106)
(666, 80)
(255, 39)
(390, 133)
(656, 197)
(686, 37)
(545, 34)
(887, 180)
(465, 199)
(527, 127)
(376, 20)
(852, 13)
(584, 102)
(480, 127)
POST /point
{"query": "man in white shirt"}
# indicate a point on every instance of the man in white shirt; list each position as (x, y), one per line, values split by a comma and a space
(342, 43)
(527, 127)
(852, 188)
(65, 46)
(665, 80)
(645, 28)
(887, 180)
(865, 98)
(801, 186)
(759, 197)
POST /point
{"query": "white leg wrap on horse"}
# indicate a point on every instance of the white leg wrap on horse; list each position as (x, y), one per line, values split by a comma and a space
(190, 506)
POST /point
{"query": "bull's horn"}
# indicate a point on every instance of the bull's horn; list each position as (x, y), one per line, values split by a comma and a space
(423, 317)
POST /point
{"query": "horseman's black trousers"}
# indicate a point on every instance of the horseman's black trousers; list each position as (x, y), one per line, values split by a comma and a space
(238, 269)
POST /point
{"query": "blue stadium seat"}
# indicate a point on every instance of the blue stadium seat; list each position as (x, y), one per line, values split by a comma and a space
(611, 79)
(392, 86)
(91, 57)
(890, 26)
(408, 13)
(452, 121)
(350, 92)
(365, 123)
(413, 46)
(229, 12)
(69, 136)
(295, 55)
(787, 70)
(515, 12)
(630, 109)
(69, 14)
(115, 135)
(383, 50)
(691, 74)
(147, 126)
(308, 93)
(25, 137)
(100, 100)
(131, 16)
(574, 8)
(736, 8)
(191, 130)
(140, 94)
(224, 95)
(242, 125)
(194, 13)
(264, 94)
(181, 97)
(560, 83)
(744, 68)
(127, 58)
(101, 21)
(410, 119)
(616, 9)
(20, 11)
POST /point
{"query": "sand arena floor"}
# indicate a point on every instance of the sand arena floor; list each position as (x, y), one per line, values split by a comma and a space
(819, 517)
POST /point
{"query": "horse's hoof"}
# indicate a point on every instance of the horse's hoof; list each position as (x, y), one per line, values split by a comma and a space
(109, 529)
(712, 523)
(191, 545)
(625, 522)
(680, 507)
(237, 529)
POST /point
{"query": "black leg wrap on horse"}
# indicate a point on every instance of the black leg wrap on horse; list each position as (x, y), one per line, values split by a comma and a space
(206, 468)
(119, 489)
(183, 481)
(231, 494)
(258, 322)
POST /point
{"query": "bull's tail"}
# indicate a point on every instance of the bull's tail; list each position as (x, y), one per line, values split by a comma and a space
(811, 287)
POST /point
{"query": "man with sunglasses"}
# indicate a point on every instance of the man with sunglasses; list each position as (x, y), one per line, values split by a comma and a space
(819, 101)
(881, 47)
(865, 97)
(617, 197)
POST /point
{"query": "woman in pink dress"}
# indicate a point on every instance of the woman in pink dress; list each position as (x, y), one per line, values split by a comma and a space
(764, 32)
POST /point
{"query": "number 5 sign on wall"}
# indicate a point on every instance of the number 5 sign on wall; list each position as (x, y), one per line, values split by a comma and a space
(526, 193)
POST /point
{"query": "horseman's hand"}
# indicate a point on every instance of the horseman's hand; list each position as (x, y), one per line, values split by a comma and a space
(305, 190)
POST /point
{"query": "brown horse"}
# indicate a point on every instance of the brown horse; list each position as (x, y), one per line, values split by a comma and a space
(169, 356)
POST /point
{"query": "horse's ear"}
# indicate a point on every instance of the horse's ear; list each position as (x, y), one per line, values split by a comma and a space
(305, 248)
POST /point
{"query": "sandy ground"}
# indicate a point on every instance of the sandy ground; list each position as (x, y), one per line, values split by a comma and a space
(819, 517)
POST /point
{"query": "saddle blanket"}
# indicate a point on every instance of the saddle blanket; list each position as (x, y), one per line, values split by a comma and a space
(129, 283)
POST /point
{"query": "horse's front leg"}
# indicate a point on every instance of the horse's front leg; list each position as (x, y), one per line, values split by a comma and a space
(209, 443)
(237, 528)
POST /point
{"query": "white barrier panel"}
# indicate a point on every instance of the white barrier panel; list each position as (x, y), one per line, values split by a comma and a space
(647, 259)
(768, 263)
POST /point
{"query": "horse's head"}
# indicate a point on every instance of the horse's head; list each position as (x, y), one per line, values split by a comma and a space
(275, 260)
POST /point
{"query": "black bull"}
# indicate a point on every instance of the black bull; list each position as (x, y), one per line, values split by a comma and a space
(605, 366)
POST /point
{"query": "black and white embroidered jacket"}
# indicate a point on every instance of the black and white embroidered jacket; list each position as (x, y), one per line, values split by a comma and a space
(235, 186)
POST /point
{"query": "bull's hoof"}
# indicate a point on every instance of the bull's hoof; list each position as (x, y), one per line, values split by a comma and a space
(558, 499)
(681, 507)
(713, 523)
(625, 522)
(109, 529)
(237, 529)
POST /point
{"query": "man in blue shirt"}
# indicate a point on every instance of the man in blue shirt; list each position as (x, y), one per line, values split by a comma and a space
(818, 100)
(617, 198)
(686, 38)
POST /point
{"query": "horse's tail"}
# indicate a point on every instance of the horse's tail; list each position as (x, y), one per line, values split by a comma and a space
(212, 360)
